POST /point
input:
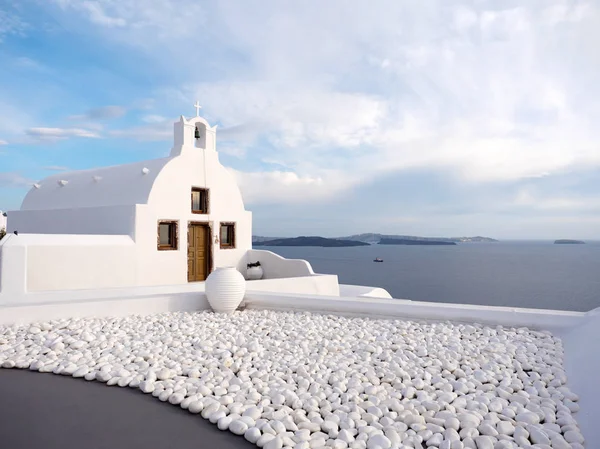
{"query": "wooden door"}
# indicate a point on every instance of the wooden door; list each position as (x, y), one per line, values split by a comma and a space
(198, 252)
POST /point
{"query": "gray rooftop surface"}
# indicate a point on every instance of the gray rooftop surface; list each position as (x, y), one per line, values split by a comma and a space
(51, 411)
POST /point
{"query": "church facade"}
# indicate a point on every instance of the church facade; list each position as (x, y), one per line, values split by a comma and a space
(158, 222)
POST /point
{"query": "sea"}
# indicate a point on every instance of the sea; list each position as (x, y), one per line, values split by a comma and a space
(532, 274)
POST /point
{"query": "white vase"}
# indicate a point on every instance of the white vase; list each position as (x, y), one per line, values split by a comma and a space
(225, 288)
(254, 273)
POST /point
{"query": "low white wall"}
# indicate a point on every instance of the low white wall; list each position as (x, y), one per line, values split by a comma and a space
(318, 284)
(45, 262)
(178, 302)
(558, 321)
(554, 320)
(363, 291)
(276, 267)
(42, 306)
(582, 360)
(13, 264)
(92, 262)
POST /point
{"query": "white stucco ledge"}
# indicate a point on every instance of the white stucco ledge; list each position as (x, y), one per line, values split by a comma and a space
(118, 302)
(316, 284)
(277, 267)
(582, 362)
(363, 291)
(554, 320)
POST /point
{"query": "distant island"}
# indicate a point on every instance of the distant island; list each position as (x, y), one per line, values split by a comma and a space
(568, 242)
(385, 241)
(309, 241)
(376, 238)
(372, 238)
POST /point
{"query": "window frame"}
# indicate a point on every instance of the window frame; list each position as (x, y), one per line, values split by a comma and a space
(233, 236)
(173, 234)
(206, 200)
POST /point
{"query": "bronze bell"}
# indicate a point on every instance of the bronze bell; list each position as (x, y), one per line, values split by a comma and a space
(197, 133)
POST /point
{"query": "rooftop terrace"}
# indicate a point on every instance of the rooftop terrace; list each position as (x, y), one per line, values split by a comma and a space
(301, 379)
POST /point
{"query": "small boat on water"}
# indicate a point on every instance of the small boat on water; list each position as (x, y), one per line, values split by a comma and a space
(377, 259)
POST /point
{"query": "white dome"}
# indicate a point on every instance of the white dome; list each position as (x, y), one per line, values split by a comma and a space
(109, 186)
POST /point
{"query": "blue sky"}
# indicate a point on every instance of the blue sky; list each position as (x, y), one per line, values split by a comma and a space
(432, 118)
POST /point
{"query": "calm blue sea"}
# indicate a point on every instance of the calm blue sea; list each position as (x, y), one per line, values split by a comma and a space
(519, 273)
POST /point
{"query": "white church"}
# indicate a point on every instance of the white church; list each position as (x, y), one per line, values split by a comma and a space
(155, 223)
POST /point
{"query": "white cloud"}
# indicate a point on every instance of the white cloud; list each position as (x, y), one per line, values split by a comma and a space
(11, 24)
(487, 92)
(99, 16)
(101, 113)
(565, 12)
(154, 118)
(3, 142)
(144, 103)
(278, 186)
(145, 133)
(484, 96)
(155, 19)
(56, 168)
(30, 64)
(53, 134)
(534, 199)
(14, 179)
(14, 118)
(234, 150)
(297, 118)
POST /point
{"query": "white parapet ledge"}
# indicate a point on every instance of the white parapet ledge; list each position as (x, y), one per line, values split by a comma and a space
(555, 320)
(119, 303)
(66, 298)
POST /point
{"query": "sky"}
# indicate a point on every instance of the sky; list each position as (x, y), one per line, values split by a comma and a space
(437, 118)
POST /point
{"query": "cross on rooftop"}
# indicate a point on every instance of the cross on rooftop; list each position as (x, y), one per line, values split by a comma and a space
(198, 107)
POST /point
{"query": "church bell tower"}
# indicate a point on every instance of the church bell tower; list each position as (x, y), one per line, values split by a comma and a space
(193, 134)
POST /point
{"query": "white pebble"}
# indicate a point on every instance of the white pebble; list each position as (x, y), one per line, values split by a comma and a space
(573, 436)
(528, 418)
(505, 428)
(196, 407)
(275, 443)
(238, 427)
(264, 439)
(378, 441)
(165, 374)
(252, 434)
(253, 412)
(484, 442)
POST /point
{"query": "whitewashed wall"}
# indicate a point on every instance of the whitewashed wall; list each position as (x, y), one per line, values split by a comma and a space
(42, 262)
(318, 284)
(105, 220)
(170, 200)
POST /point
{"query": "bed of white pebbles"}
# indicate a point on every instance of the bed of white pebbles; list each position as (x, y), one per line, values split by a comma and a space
(302, 380)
